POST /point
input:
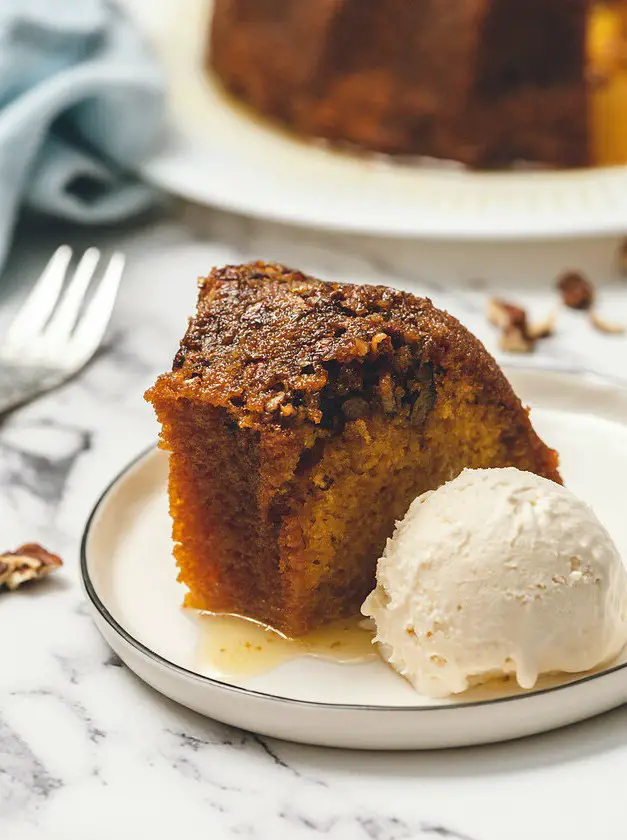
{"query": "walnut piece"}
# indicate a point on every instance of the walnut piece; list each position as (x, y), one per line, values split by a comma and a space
(577, 292)
(607, 327)
(28, 562)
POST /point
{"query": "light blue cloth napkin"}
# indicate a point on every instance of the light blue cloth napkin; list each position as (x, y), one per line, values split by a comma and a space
(81, 102)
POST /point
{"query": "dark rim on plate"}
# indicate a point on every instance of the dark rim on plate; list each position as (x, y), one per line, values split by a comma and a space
(590, 376)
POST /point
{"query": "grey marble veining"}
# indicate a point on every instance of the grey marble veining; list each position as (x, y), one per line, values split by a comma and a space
(87, 751)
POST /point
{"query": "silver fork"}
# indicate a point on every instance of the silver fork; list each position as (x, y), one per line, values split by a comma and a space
(53, 335)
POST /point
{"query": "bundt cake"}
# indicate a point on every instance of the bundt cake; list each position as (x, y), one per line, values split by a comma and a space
(487, 83)
(484, 82)
(302, 418)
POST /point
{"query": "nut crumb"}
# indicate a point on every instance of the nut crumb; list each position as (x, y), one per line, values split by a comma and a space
(577, 292)
(607, 327)
(378, 339)
(515, 340)
(361, 346)
(275, 402)
(28, 562)
(386, 394)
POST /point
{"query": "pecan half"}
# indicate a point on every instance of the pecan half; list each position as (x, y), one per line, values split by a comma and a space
(576, 291)
(28, 562)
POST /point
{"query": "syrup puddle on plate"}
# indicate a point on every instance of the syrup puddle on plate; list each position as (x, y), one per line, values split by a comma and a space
(241, 646)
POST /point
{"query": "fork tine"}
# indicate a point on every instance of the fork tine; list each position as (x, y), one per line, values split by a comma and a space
(93, 322)
(65, 317)
(41, 301)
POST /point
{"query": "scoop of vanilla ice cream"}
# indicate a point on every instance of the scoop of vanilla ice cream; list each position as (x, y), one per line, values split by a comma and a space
(498, 571)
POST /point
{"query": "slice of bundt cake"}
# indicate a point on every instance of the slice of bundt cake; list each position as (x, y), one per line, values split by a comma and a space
(302, 419)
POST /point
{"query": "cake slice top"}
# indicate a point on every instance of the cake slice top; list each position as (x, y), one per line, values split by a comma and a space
(271, 344)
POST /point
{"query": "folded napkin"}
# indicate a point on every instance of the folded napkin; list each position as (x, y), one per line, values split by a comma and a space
(81, 102)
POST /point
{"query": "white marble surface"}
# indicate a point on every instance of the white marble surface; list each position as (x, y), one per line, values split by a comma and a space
(89, 752)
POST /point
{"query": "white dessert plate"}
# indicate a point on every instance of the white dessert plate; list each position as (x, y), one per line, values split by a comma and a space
(130, 578)
(217, 154)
